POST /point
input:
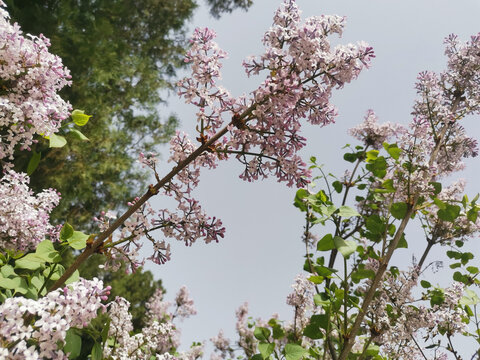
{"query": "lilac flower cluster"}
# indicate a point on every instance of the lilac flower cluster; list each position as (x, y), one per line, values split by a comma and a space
(24, 217)
(55, 313)
(373, 134)
(263, 131)
(397, 323)
(30, 78)
(159, 337)
(302, 72)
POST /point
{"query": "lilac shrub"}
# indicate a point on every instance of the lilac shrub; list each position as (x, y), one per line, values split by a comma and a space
(363, 306)
(367, 309)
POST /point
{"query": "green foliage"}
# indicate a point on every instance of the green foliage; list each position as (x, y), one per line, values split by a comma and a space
(218, 7)
(120, 88)
(120, 54)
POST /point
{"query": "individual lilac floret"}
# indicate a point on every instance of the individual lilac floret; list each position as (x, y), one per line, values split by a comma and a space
(373, 134)
(24, 217)
(31, 78)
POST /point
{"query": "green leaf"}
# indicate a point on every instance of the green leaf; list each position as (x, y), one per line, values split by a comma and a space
(7, 270)
(450, 213)
(324, 271)
(469, 298)
(78, 135)
(294, 352)
(375, 224)
(298, 201)
(7, 283)
(317, 322)
(402, 243)
(73, 344)
(472, 215)
(437, 187)
(66, 232)
(80, 118)
(440, 204)
(378, 167)
(38, 280)
(362, 274)
(57, 141)
(316, 279)
(399, 210)
(346, 248)
(347, 212)
(337, 185)
(56, 274)
(97, 352)
(257, 357)
(278, 332)
(74, 277)
(78, 240)
(30, 262)
(17, 283)
(425, 284)
(350, 157)
(33, 162)
(372, 155)
(326, 243)
(437, 297)
(393, 150)
(266, 349)
(261, 333)
(388, 186)
(47, 252)
(105, 330)
(472, 270)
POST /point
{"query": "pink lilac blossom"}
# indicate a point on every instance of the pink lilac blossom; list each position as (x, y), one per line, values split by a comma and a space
(30, 79)
(373, 134)
(24, 216)
(246, 340)
(394, 323)
(222, 347)
(189, 222)
(184, 303)
(74, 306)
(302, 300)
(302, 72)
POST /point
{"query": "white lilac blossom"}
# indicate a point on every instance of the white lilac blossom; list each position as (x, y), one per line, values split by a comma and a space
(24, 216)
(52, 315)
(30, 78)
(159, 337)
(397, 323)
(128, 346)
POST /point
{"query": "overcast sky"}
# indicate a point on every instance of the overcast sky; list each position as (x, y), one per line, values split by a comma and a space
(262, 251)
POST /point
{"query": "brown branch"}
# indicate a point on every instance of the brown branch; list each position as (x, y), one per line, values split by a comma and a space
(350, 337)
(152, 190)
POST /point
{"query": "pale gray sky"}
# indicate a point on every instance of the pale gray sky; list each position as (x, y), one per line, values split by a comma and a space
(262, 251)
